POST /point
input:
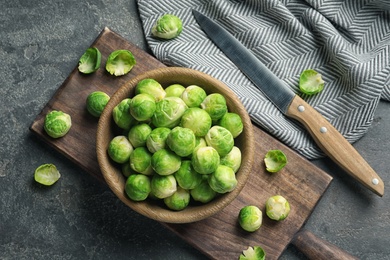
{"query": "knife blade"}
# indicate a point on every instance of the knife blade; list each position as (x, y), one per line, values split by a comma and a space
(327, 137)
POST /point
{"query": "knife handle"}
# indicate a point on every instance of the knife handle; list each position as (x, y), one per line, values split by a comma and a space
(335, 145)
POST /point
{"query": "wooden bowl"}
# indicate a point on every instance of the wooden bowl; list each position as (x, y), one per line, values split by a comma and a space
(154, 209)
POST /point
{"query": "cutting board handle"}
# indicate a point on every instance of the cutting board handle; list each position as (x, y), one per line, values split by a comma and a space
(316, 248)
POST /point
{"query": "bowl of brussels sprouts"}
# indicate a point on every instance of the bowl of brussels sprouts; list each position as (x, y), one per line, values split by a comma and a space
(175, 144)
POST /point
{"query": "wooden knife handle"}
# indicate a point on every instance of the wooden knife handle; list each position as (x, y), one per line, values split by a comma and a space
(316, 248)
(335, 145)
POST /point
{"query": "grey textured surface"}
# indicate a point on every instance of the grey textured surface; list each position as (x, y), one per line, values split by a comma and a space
(80, 218)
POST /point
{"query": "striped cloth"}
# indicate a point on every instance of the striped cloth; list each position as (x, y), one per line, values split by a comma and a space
(347, 41)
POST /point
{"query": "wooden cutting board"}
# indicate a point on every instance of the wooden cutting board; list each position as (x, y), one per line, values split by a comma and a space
(218, 237)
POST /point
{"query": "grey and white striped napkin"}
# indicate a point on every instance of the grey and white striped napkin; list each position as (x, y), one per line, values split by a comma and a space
(347, 41)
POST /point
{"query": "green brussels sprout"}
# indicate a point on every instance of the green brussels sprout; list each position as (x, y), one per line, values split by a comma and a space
(220, 139)
(223, 179)
(193, 96)
(167, 27)
(138, 187)
(90, 61)
(121, 115)
(169, 112)
(232, 122)
(165, 162)
(199, 142)
(138, 134)
(277, 207)
(126, 170)
(311, 82)
(250, 218)
(203, 192)
(142, 107)
(215, 105)
(275, 160)
(163, 186)
(253, 253)
(205, 160)
(57, 124)
(140, 161)
(157, 139)
(119, 149)
(178, 200)
(196, 119)
(151, 87)
(174, 90)
(47, 174)
(232, 159)
(120, 62)
(96, 102)
(186, 177)
(181, 141)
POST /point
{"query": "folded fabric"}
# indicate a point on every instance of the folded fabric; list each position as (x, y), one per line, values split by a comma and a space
(346, 41)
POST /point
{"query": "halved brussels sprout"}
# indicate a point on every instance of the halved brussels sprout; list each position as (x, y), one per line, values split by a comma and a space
(187, 177)
(157, 139)
(121, 115)
(196, 119)
(223, 179)
(233, 123)
(178, 200)
(140, 161)
(90, 61)
(232, 159)
(275, 160)
(181, 141)
(174, 90)
(203, 192)
(169, 112)
(163, 186)
(57, 123)
(253, 253)
(119, 149)
(220, 139)
(138, 134)
(142, 107)
(167, 27)
(47, 174)
(311, 82)
(193, 95)
(215, 105)
(120, 62)
(138, 187)
(165, 162)
(250, 218)
(96, 102)
(277, 207)
(151, 87)
(205, 160)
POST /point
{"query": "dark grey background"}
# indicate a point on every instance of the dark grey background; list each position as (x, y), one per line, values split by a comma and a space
(80, 218)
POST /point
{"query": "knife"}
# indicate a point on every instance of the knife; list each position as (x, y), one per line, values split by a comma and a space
(332, 143)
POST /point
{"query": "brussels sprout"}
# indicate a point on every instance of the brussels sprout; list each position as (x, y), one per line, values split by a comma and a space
(138, 187)
(250, 218)
(142, 107)
(193, 96)
(57, 123)
(163, 186)
(121, 115)
(47, 174)
(120, 62)
(174, 90)
(187, 177)
(253, 253)
(223, 179)
(199, 142)
(165, 162)
(275, 160)
(90, 61)
(277, 207)
(178, 200)
(181, 141)
(233, 123)
(310, 82)
(169, 112)
(167, 27)
(157, 139)
(96, 102)
(126, 170)
(220, 139)
(205, 160)
(203, 192)
(119, 149)
(140, 161)
(151, 87)
(215, 105)
(196, 119)
(232, 159)
(138, 134)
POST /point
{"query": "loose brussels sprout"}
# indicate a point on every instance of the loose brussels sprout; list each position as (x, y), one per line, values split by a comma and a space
(96, 102)
(121, 115)
(165, 162)
(151, 87)
(138, 134)
(174, 90)
(200, 142)
(120, 62)
(223, 179)
(215, 105)
(275, 160)
(163, 186)
(169, 112)
(57, 123)
(232, 159)
(205, 160)
(193, 96)
(47, 174)
(90, 61)
(178, 200)
(126, 170)
(140, 161)
(203, 192)
(142, 107)
(310, 82)
(277, 207)
(250, 218)
(119, 149)
(233, 123)
(253, 253)
(138, 187)
(221, 139)
(181, 141)
(157, 139)
(196, 119)
(186, 177)
(167, 27)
